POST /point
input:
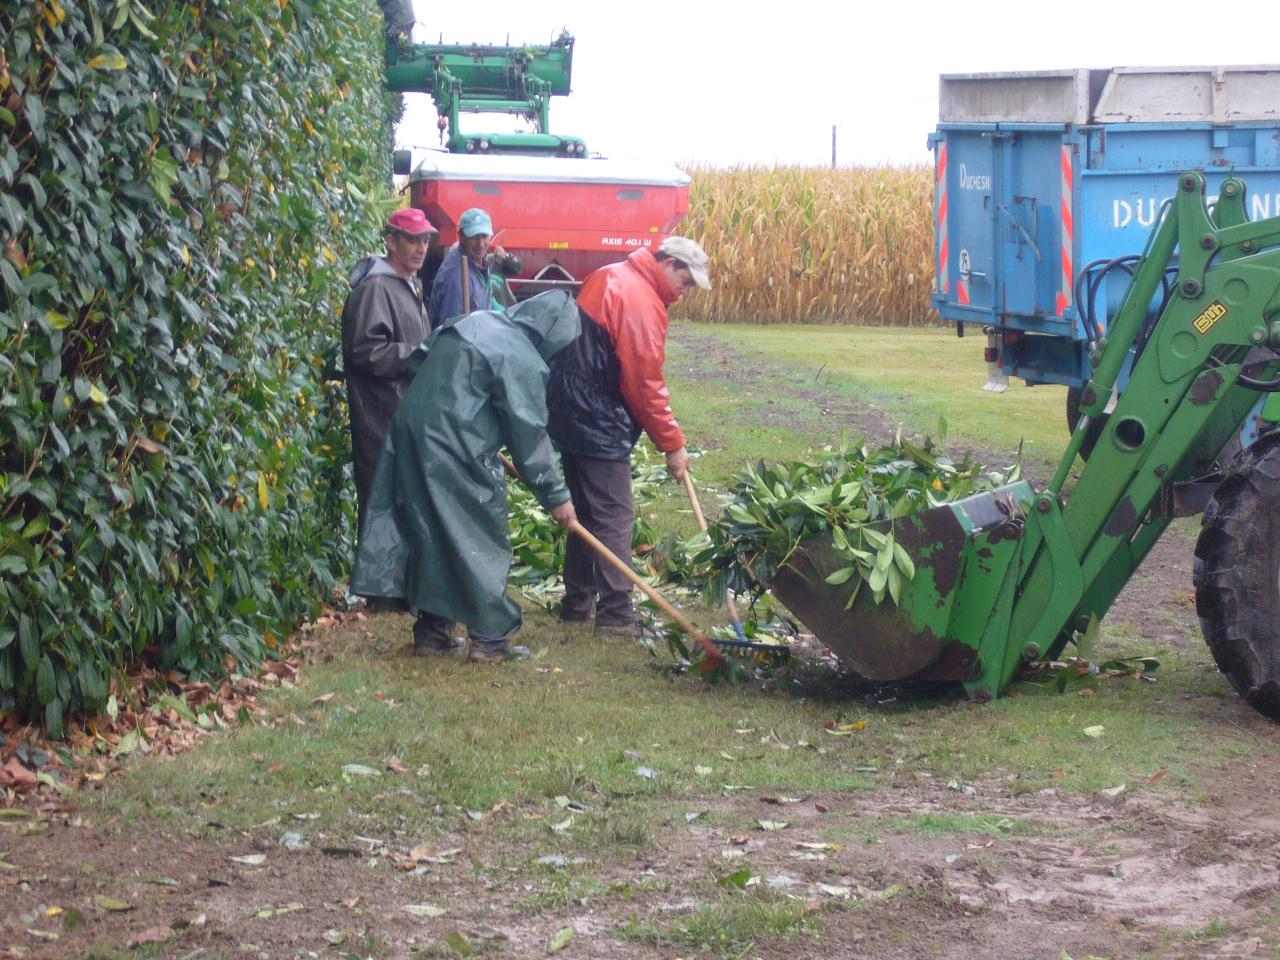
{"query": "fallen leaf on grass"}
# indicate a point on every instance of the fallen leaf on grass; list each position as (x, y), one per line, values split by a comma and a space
(110, 903)
(425, 854)
(563, 937)
(844, 729)
(739, 878)
(693, 815)
(703, 771)
(130, 742)
(292, 840)
(885, 894)
(358, 770)
(1095, 731)
(1113, 791)
(250, 859)
(772, 824)
(827, 847)
(159, 881)
(647, 772)
(323, 698)
(740, 840)
(833, 890)
(559, 860)
(395, 765)
(424, 910)
(266, 913)
(778, 801)
(821, 808)
(14, 774)
(1156, 777)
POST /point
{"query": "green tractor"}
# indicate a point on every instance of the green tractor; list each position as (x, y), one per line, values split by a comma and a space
(1017, 575)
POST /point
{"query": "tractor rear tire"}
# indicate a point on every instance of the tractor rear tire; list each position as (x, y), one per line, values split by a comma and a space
(1237, 577)
(1094, 433)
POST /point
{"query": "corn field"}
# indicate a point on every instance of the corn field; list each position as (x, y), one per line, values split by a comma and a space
(814, 245)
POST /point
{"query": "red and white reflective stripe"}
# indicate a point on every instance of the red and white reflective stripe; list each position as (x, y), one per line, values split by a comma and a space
(943, 251)
(1068, 275)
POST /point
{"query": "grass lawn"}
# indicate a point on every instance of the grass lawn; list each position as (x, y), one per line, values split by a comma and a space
(916, 376)
(599, 754)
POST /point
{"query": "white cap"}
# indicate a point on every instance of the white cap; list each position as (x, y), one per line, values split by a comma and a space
(691, 255)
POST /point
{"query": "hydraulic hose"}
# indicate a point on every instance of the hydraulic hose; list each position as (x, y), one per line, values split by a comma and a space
(1252, 383)
(1088, 282)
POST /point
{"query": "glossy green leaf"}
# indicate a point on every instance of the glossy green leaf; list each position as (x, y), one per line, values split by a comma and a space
(149, 202)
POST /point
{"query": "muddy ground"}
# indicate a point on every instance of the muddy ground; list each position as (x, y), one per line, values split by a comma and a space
(1138, 874)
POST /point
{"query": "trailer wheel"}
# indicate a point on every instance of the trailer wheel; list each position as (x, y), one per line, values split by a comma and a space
(1237, 577)
(1094, 432)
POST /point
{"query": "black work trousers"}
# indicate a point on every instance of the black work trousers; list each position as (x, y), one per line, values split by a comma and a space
(601, 492)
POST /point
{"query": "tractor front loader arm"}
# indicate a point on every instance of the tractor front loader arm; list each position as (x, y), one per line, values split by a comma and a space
(1186, 394)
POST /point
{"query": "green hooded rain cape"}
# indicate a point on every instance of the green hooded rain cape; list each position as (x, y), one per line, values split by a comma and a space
(436, 530)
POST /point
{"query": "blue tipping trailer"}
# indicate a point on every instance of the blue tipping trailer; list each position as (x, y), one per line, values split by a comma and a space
(1047, 180)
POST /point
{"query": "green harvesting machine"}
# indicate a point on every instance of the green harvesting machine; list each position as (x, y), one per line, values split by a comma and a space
(481, 78)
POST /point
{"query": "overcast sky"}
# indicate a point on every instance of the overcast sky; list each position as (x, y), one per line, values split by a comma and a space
(729, 84)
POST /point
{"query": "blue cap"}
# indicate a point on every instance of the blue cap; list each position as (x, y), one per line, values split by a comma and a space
(475, 222)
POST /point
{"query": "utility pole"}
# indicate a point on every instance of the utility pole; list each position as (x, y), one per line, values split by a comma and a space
(833, 146)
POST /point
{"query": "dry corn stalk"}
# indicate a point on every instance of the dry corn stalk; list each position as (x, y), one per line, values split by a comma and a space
(815, 245)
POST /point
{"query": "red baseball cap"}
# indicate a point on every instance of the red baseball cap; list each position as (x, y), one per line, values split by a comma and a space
(410, 220)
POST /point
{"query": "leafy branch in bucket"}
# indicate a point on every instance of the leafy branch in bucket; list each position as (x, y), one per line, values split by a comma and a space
(852, 496)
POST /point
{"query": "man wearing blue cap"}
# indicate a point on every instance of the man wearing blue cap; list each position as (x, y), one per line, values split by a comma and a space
(466, 278)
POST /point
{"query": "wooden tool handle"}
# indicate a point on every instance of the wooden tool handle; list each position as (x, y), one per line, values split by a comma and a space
(625, 569)
(713, 657)
(702, 525)
(693, 502)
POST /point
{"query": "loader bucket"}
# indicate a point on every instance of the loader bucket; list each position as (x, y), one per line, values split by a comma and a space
(963, 554)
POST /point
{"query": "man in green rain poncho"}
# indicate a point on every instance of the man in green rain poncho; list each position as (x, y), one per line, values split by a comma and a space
(436, 532)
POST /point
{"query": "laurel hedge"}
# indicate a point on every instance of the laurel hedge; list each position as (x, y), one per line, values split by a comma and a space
(182, 189)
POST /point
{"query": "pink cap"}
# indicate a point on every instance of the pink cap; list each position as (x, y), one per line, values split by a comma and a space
(410, 220)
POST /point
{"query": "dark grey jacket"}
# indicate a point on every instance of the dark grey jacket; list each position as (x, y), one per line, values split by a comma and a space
(382, 322)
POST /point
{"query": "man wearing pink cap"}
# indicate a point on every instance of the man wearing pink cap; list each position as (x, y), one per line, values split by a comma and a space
(383, 321)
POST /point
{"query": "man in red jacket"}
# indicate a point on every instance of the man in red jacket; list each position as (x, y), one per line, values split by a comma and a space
(605, 388)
